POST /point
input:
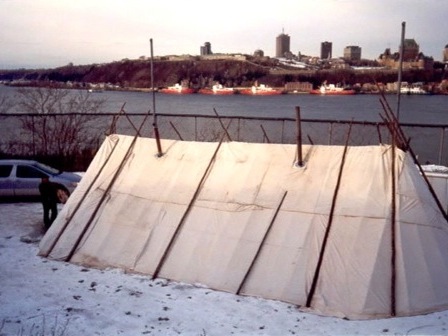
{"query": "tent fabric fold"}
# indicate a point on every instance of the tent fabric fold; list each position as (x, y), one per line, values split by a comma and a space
(217, 214)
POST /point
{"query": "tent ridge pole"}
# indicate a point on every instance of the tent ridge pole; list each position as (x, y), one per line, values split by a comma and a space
(330, 221)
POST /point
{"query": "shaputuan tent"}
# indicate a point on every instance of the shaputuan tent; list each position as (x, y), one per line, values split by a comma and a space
(354, 232)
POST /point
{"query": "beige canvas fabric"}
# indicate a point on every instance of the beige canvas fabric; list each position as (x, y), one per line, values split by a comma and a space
(244, 218)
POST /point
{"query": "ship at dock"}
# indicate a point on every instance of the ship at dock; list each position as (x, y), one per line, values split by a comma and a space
(331, 89)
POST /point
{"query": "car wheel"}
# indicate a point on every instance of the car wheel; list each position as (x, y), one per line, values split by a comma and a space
(63, 195)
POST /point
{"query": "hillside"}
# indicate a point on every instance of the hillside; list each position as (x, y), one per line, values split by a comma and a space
(202, 73)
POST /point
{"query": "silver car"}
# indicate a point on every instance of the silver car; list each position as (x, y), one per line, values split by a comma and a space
(21, 179)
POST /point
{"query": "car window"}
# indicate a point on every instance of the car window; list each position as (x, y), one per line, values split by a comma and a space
(5, 170)
(29, 172)
(47, 169)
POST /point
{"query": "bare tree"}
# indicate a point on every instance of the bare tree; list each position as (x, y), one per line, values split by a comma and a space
(60, 121)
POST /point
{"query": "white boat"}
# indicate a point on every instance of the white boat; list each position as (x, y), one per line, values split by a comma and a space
(413, 90)
(331, 89)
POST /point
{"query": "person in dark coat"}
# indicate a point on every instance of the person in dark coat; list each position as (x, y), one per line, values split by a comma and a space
(49, 197)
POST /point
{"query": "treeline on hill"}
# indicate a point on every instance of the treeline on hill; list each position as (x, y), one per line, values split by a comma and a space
(202, 73)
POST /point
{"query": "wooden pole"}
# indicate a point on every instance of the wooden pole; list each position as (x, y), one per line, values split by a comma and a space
(442, 141)
(260, 246)
(185, 215)
(222, 125)
(299, 138)
(78, 205)
(330, 222)
(103, 197)
(175, 130)
(393, 231)
(400, 68)
(379, 133)
(395, 128)
(265, 134)
(154, 124)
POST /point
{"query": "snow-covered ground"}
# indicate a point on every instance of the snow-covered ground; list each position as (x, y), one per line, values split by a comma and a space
(44, 297)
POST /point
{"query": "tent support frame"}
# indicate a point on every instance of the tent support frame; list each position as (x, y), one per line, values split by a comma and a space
(265, 135)
(393, 227)
(81, 200)
(105, 194)
(330, 222)
(299, 137)
(184, 216)
(177, 132)
(222, 125)
(260, 246)
(394, 127)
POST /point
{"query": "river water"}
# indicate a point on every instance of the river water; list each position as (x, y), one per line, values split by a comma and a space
(413, 109)
(431, 143)
(421, 109)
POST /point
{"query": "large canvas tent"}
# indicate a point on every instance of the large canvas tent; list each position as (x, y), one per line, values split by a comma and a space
(355, 232)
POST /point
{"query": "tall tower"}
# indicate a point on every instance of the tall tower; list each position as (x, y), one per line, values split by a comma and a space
(282, 45)
(326, 50)
(206, 49)
(352, 53)
(445, 54)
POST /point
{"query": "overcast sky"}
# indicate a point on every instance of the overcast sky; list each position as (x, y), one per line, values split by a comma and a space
(50, 33)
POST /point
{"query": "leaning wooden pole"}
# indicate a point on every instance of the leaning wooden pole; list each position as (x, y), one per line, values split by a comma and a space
(181, 223)
(265, 134)
(400, 68)
(154, 124)
(105, 195)
(299, 138)
(393, 229)
(222, 125)
(263, 240)
(80, 202)
(330, 222)
(395, 128)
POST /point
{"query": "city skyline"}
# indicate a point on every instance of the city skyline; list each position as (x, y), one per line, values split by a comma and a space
(51, 33)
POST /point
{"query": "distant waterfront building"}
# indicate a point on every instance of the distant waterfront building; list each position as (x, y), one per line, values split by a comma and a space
(258, 53)
(298, 86)
(410, 50)
(206, 49)
(326, 50)
(352, 53)
(445, 54)
(410, 61)
(282, 45)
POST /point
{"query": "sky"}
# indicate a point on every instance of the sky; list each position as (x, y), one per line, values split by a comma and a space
(51, 33)
(39, 296)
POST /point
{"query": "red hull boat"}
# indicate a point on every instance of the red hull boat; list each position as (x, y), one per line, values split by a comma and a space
(177, 89)
(217, 89)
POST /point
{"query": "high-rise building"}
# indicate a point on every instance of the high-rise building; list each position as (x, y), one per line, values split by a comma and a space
(206, 49)
(352, 53)
(326, 50)
(445, 54)
(282, 45)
